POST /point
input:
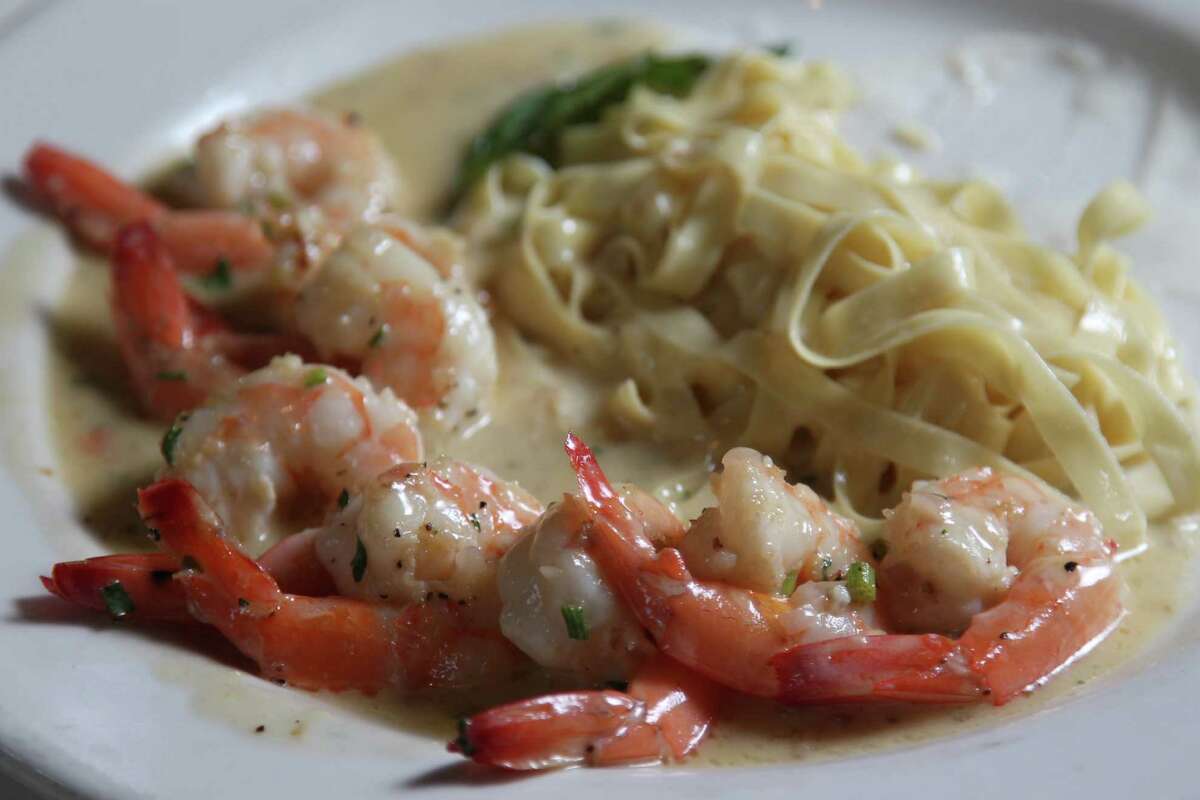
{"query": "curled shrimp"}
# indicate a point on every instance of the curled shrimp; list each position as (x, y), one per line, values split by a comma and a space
(275, 450)
(276, 188)
(380, 302)
(333, 643)
(176, 351)
(1030, 578)
(728, 633)
(95, 205)
(664, 715)
(419, 531)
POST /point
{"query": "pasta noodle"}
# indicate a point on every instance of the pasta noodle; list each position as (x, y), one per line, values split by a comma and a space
(741, 275)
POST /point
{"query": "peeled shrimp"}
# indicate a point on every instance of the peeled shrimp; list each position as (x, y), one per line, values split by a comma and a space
(727, 633)
(279, 187)
(95, 205)
(1030, 578)
(274, 451)
(380, 302)
(418, 531)
(333, 643)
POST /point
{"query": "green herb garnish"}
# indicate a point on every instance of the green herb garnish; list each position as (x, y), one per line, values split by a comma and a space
(789, 584)
(358, 565)
(117, 600)
(779, 49)
(860, 581)
(171, 438)
(315, 377)
(533, 122)
(475, 522)
(220, 278)
(576, 625)
(379, 336)
(343, 499)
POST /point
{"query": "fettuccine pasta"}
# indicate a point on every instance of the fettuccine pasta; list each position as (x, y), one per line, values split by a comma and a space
(741, 275)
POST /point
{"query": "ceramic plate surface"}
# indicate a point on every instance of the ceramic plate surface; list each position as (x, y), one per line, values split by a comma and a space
(1049, 99)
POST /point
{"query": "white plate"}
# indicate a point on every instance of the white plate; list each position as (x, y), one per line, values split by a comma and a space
(101, 711)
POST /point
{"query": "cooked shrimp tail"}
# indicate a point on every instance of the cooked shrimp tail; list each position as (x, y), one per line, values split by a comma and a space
(89, 201)
(330, 643)
(95, 205)
(664, 716)
(146, 579)
(176, 351)
(142, 583)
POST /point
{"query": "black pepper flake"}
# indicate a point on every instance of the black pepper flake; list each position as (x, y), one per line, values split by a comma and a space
(399, 565)
(160, 576)
(1005, 635)
(1071, 566)
(260, 729)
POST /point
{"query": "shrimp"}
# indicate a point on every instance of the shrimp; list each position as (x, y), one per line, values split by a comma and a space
(176, 351)
(146, 579)
(273, 452)
(420, 531)
(723, 631)
(664, 715)
(277, 188)
(95, 205)
(332, 643)
(379, 301)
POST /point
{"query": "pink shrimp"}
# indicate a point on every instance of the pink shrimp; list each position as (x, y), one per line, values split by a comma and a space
(333, 643)
(177, 352)
(146, 579)
(1065, 599)
(96, 205)
(663, 716)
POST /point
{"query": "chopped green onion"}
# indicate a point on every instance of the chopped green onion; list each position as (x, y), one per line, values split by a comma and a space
(879, 549)
(789, 584)
(171, 438)
(220, 278)
(379, 336)
(315, 377)
(171, 376)
(576, 625)
(860, 581)
(117, 600)
(344, 498)
(358, 566)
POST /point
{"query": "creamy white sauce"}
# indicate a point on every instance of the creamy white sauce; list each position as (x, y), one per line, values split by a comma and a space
(425, 105)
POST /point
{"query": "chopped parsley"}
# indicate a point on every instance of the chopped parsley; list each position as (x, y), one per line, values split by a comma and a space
(315, 377)
(789, 584)
(860, 581)
(117, 600)
(177, 375)
(171, 438)
(344, 498)
(358, 565)
(475, 522)
(379, 336)
(220, 278)
(576, 625)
